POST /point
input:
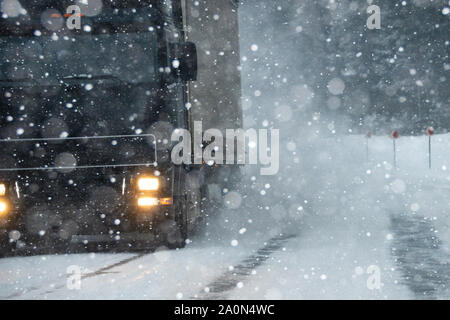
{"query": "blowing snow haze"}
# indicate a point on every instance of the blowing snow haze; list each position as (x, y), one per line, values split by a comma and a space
(118, 179)
(322, 59)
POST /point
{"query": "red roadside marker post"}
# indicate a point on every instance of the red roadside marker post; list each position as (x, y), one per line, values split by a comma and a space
(368, 136)
(395, 136)
(429, 131)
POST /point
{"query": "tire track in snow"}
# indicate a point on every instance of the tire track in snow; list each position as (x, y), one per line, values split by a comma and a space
(228, 281)
(98, 272)
(418, 253)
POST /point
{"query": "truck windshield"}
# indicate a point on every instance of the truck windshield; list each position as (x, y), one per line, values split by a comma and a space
(128, 57)
(96, 80)
(37, 47)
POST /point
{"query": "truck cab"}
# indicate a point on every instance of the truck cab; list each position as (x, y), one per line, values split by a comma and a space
(86, 116)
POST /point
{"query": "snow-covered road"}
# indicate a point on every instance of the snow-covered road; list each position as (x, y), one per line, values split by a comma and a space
(165, 274)
(335, 262)
(339, 261)
(284, 267)
(330, 257)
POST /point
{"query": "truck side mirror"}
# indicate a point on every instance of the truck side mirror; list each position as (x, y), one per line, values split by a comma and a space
(184, 60)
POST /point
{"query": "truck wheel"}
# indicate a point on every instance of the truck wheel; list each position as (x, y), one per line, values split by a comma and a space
(5, 246)
(188, 217)
(176, 238)
(194, 183)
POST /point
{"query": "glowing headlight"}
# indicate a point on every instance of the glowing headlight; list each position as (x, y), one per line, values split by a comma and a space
(3, 208)
(2, 189)
(148, 184)
(147, 202)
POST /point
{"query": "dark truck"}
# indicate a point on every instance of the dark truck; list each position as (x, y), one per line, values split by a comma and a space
(86, 116)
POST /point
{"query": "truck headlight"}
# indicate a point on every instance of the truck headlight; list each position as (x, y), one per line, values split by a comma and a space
(3, 208)
(2, 189)
(148, 184)
(148, 202)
